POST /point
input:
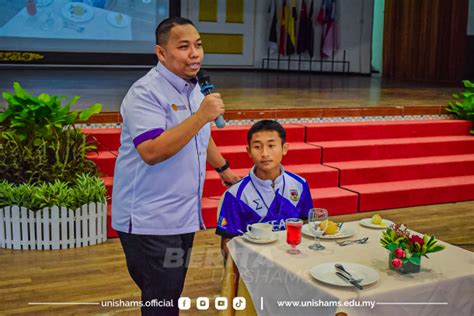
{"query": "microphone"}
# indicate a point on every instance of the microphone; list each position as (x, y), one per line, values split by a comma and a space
(204, 81)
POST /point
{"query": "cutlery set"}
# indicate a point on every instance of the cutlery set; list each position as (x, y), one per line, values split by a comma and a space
(356, 241)
(346, 276)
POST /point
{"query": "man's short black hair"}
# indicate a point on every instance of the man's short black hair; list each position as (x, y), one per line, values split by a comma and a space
(267, 125)
(163, 29)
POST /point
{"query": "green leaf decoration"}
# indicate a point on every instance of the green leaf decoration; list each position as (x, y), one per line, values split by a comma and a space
(464, 108)
(87, 113)
(415, 260)
(39, 144)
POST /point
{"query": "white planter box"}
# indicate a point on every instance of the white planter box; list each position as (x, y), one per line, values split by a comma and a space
(53, 228)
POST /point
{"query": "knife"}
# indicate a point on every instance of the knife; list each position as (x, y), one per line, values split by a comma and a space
(350, 280)
(340, 268)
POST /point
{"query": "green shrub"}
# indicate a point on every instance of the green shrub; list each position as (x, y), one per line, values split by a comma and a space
(85, 190)
(43, 156)
(463, 106)
(38, 141)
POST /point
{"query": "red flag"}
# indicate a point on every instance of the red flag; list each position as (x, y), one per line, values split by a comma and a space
(282, 45)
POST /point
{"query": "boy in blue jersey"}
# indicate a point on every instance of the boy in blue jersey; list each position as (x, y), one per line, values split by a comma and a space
(268, 194)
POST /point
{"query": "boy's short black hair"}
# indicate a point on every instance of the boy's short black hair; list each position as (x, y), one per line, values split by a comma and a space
(267, 125)
(163, 29)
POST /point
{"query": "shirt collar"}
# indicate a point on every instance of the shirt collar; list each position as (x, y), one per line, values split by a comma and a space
(267, 184)
(177, 82)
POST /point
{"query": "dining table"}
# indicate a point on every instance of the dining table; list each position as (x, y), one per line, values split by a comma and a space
(282, 284)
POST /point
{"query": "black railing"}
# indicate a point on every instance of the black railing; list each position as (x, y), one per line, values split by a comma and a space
(315, 65)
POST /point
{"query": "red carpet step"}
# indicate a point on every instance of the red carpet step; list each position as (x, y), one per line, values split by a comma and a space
(366, 165)
(316, 132)
(391, 148)
(237, 135)
(377, 196)
(299, 153)
(318, 176)
(387, 170)
(336, 200)
(107, 139)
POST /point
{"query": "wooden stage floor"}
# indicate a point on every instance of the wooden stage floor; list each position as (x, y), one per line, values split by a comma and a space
(98, 273)
(247, 89)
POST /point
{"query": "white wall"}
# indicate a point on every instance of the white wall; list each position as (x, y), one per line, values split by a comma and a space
(355, 31)
(355, 34)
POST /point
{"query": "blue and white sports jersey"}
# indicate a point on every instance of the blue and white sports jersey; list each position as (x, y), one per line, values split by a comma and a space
(255, 200)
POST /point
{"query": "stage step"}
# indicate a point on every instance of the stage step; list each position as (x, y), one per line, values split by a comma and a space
(318, 176)
(366, 165)
(321, 132)
(336, 200)
(396, 194)
(105, 138)
(388, 170)
(237, 134)
(108, 139)
(298, 154)
(376, 149)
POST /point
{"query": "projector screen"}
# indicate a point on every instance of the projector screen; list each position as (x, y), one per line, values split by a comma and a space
(81, 26)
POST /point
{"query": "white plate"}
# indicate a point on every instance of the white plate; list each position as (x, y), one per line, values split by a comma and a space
(344, 233)
(326, 273)
(367, 222)
(260, 241)
(118, 19)
(77, 12)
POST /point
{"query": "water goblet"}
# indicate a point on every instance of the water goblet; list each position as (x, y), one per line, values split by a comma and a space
(316, 216)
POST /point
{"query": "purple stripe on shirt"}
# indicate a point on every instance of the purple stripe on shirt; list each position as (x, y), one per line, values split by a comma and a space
(147, 136)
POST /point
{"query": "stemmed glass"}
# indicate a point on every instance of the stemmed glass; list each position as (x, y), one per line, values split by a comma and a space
(293, 234)
(315, 217)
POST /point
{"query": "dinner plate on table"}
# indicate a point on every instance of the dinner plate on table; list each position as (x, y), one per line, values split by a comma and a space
(343, 233)
(367, 222)
(326, 273)
(77, 12)
(248, 238)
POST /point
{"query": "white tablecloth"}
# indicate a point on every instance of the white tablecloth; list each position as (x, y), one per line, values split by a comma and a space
(271, 274)
(97, 28)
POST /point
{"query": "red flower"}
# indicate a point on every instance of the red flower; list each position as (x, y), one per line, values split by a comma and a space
(397, 263)
(399, 253)
(417, 239)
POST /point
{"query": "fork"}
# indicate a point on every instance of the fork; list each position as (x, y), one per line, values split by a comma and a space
(348, 242)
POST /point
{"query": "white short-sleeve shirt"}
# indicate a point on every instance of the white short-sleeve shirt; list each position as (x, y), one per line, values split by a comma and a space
(163, 199)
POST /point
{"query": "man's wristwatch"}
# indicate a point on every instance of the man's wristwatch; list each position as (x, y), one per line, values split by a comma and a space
(223, 168)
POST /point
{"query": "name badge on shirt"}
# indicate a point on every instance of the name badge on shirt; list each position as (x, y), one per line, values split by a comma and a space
(177, 108)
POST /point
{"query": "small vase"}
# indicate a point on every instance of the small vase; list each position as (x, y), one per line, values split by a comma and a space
(407, 267)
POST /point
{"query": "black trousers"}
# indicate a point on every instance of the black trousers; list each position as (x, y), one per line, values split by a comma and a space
(158, 265)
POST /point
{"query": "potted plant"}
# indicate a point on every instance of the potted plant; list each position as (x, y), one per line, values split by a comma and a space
(50, 195)
(463, 106)
(407, 249)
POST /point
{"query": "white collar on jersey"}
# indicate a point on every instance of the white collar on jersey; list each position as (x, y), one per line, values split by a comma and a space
(267, 184)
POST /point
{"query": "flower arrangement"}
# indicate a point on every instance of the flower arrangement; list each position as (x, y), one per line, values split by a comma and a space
(406, 249)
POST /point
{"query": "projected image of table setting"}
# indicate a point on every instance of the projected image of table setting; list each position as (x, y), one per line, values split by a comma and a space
(354, 265)
(69, 20)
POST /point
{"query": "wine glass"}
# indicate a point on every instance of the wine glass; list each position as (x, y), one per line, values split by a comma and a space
(293, 234)
(315, 217)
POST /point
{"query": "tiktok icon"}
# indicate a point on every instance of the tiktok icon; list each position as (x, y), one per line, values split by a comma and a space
(239, 303)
